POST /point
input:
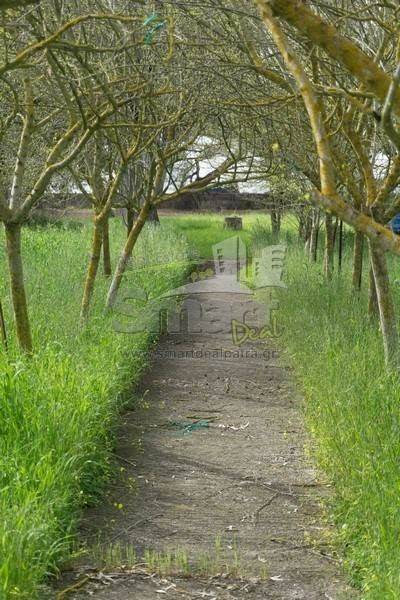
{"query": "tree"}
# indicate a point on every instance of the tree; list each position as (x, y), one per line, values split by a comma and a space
(381, 86)
(40, 66)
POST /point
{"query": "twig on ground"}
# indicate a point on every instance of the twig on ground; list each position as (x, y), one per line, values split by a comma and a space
(259, 510)
(72, 588)
(125, 460)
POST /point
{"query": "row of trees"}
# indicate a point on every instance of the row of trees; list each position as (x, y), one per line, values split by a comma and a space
(103, 97)
(343, 60)
(124, 100)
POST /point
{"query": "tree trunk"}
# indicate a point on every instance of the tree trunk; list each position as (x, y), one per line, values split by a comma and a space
(335, 230)
(275, 222)
(130, 219)
(126, 254)
(3, 329)
(373, 310)
(340, 254)
(153, 216)
(307, 246)
(18, 295)
(315, 246)
(386, 307)
(106, 249)
(92, 270)
(329, 247)
(358, 260)
(305, 223)
(301, 228)
(314, 236)
(307, 234)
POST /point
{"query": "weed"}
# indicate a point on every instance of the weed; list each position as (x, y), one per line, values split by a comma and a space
(352, 408)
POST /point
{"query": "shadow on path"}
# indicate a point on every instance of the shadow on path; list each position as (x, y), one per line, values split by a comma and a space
(214, 466)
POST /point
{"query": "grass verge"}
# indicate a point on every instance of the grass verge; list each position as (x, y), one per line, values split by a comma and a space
(205, 230)
(353, 410)
(58, 409)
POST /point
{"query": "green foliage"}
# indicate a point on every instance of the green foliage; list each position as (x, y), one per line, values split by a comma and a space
(58, 410)
(261, 232)
(353, 410)
(205, 230)
(39, 220)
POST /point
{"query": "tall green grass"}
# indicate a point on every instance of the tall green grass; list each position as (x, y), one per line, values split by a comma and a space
(58, 409)
(205, 230)
(352, 408)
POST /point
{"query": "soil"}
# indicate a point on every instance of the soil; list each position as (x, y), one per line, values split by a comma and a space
(213, 462)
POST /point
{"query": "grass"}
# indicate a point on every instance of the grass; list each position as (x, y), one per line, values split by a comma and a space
(205, 230)
(224, 559)
(220, 561)
(58, 409)
(352, 408)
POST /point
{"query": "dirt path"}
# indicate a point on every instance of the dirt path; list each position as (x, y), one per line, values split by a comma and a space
(238, 497)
